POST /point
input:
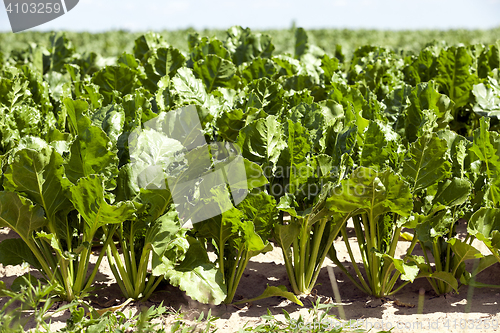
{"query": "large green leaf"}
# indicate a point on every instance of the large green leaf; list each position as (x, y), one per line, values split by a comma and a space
(189, 89)
(258, 68)
(261, 141)
(198, 277)
(115, 82)
(272, 291)
(426, 163)
(374, 193)
(453, 192)
(146, 43)
(162, 61)
(161, 233)
(485, 149)
(463, 251)
(485, 225)
(92, 153)
(487, 100)
(454, 74)
(40, 175)
(88, 197)
(245, 45)
(19, 214)
(260, 215)
(376, 150)
(425, 97)
(15, 251)
(264, 94)
(200, 48)
(76, 112)
(216, 72)
(301, 163)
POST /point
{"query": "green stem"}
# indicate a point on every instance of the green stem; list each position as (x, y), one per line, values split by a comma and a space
(241, 269)
(123, 274)
(375, 262)
(393, 281)
(398, 288)
(437, 261)
(221, 261)
(394, 242)
(287, 256)
(140, 281)
(296, 262)
(82, 267)
(115, 271)
(234, 270)
(304, 240)
(353, 261)
(130, 270)
(150, 289)
(386, 272)
(361, 244)
(349, 275)
(109, 238)
(131, 255)
(313, 264)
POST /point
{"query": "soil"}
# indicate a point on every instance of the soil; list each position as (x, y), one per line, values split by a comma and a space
(471, 310)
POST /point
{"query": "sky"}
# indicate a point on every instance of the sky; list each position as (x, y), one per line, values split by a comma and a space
(142, 15)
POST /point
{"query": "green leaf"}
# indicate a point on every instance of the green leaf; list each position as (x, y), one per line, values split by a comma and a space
(272, 291)
(409, 271)
(446, 277)
(453, 192)
(216, 72)
(463, 251)
(115, 82)
(189, 89)
(19, 214)
(198, 277)
(161, 233)
(111, 120)
(60, 52)
(264, 94)
(160, 62)
(485, 225)
(92, 153)
(487, 100)
(375, 193)
(426, 163)
(425, 97)
(146, 43)
(454, 74)
(429, 228)
(77, 112)
(376, 150)
(301, 166)
(200, 48)
(40, 175)
(329, 66)
(245, 45)
(88, 197)
(258, 68)
(262, 141)
(15, 252)
(286, 234)
(485, 148)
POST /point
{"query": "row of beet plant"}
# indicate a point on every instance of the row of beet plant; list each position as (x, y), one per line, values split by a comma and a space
(403, 145)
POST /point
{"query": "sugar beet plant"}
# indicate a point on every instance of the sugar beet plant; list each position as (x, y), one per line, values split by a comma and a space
(403, 145)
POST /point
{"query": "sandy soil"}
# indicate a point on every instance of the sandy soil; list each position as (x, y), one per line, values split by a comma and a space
(444, 313)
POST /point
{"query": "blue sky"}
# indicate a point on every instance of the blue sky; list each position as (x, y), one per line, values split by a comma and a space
(136, 15)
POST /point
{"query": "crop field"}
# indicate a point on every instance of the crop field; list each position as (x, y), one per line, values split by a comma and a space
(250, 181)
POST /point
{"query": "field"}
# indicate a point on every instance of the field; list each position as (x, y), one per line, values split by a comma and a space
(217, 177)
